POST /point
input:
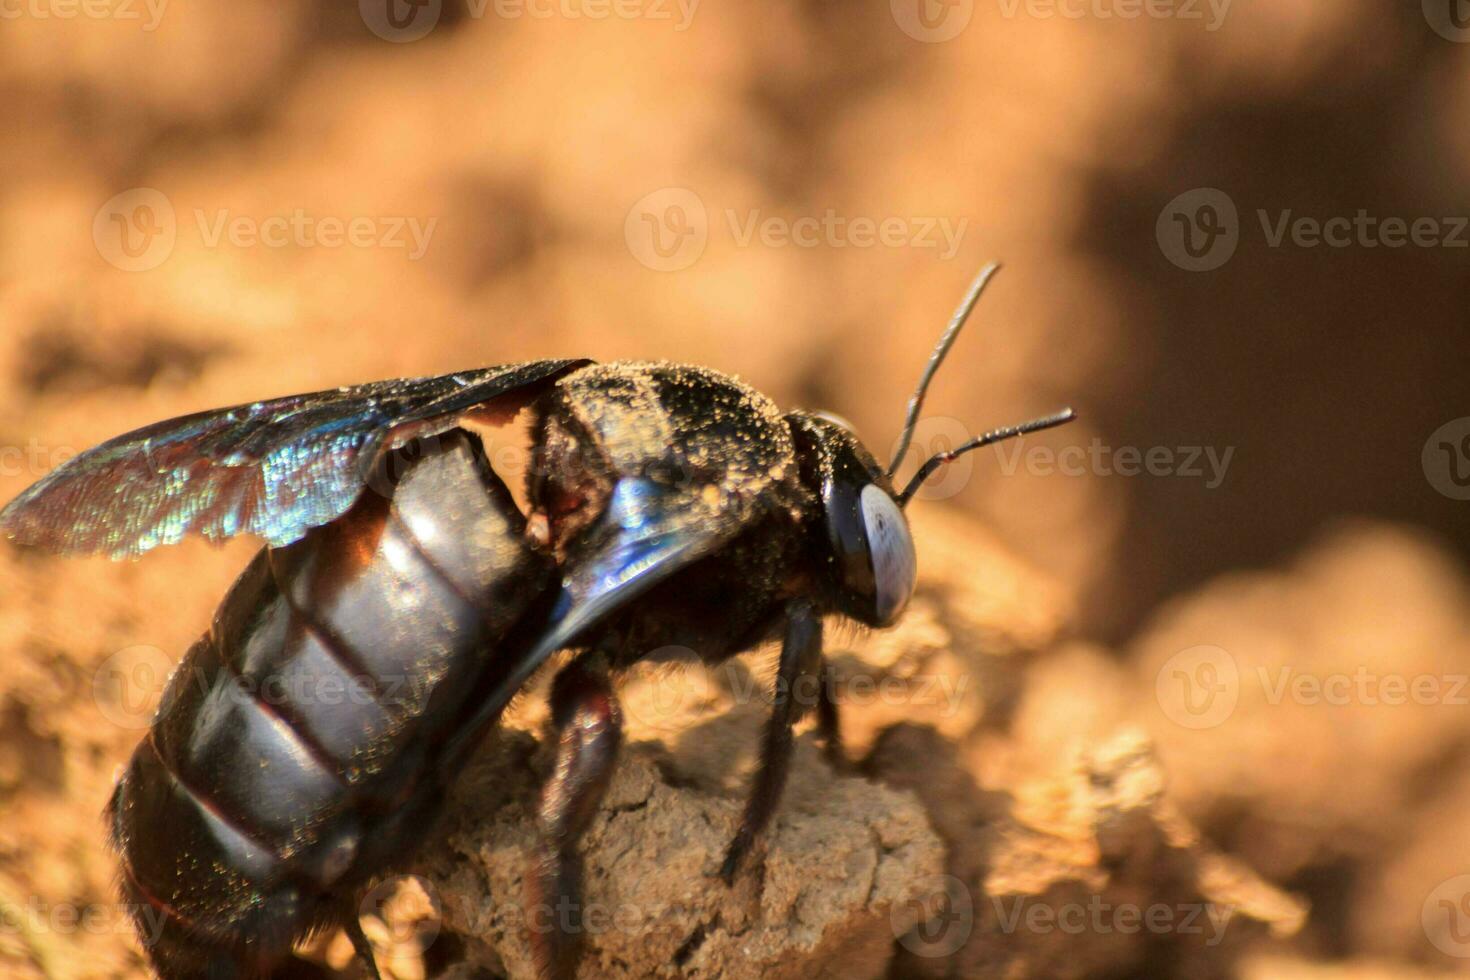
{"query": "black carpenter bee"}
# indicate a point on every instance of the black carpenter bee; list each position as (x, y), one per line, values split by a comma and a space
(308, 739)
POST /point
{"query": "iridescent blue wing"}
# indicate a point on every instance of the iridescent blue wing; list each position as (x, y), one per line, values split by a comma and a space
(643, 538)
(275, 468)
(647, 534)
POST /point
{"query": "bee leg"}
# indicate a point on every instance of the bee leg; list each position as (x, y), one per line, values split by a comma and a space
(588, 723)
(827, 721)
(363, 946)
(801, 659)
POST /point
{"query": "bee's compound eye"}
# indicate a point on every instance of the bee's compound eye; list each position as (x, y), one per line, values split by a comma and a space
(891, 549)
(840, 421)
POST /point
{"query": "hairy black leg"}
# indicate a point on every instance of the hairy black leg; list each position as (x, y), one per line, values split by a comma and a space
(801, 658)
(827, 721)
(363, 946)
(588, 724)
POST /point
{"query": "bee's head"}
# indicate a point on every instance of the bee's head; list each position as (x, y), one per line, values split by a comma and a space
(867, 549)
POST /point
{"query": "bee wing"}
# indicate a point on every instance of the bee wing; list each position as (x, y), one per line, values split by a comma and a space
(644, 542)
(645, 536)
(275, 468)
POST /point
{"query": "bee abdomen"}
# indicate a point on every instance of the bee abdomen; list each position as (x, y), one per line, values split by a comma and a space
(292, 748)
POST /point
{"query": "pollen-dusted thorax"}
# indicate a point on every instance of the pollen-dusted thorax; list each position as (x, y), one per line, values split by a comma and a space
(702, 442)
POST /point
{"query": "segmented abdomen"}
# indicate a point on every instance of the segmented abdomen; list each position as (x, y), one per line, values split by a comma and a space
(292, 753)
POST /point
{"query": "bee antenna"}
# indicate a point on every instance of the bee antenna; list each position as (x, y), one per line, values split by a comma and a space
(951, 333)
(999, 435)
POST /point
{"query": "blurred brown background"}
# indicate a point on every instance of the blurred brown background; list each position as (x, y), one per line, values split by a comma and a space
(207, 203)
